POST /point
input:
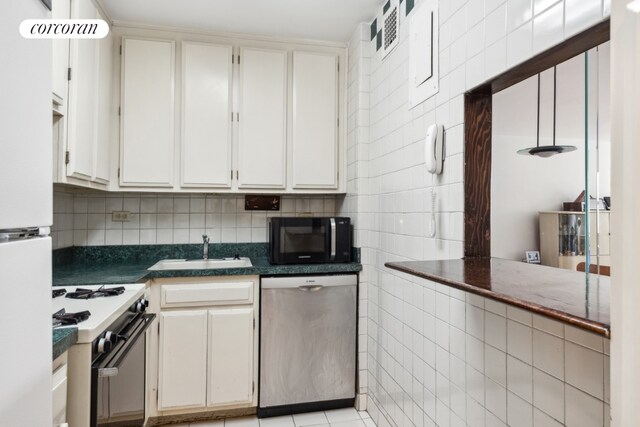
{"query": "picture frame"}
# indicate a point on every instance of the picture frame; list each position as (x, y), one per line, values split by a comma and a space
(532, 257)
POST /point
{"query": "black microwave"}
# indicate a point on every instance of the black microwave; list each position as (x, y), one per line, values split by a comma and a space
(302, 240)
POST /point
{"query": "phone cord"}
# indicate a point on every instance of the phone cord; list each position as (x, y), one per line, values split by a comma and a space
(432, 230)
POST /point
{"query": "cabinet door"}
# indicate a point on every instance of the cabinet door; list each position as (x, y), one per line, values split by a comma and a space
(104, 110)
(230, 356)
(182, 379)
(147, 115)
(315, 121)
(262, 122)
(60, 9)
(83, 91)
(206, 115)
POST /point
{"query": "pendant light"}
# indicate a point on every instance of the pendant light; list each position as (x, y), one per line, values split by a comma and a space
(547, 150)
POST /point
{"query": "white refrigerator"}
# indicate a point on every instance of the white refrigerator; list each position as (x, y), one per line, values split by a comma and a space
(25, 202)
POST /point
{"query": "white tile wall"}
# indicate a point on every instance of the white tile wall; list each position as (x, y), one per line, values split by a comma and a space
(353, 204)
(84, 219)
(416, 378)
(419, 371)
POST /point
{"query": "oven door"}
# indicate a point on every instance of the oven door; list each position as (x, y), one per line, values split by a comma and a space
(118, 380)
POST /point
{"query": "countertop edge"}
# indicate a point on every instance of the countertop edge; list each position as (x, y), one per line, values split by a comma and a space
(580, 322)
(142, 275)
(67, 337)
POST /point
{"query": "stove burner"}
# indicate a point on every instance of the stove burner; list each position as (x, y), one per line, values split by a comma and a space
(58, 293)
(81, 293)
(62, 318)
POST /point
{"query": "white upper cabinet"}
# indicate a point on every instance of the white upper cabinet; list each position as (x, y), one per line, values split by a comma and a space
(314, 147)
(147, 117)
(83, 147)
(60, 9)
(206, 115)
(83, 97)
(262, 132)
(105, 110)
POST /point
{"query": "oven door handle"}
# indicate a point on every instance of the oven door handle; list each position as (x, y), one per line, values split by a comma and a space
(111, 368)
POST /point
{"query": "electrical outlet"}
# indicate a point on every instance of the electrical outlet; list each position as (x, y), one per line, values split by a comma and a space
(120, 216)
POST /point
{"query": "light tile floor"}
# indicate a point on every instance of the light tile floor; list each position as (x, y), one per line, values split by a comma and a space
(347, 417)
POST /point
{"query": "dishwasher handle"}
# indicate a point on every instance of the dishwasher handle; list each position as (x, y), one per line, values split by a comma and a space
(310, 288)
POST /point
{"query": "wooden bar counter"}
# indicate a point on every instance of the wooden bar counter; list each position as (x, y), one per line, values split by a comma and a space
(563, 295)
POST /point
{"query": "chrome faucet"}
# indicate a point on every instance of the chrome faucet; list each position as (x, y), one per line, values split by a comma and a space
(205, 246)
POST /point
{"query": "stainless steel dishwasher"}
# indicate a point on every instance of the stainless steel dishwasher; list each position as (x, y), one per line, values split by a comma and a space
(307, 343)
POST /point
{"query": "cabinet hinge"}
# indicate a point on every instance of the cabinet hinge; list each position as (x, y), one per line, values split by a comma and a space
(338, 66)
(233, 59)
(69, 73)
(120, 49)
(158, 322)
(119, 111)
(237, 117)
(253, 387)
(238, 59)
(237, 175)
(119, 177)
(232, 175)
(254, 323)
(66, 157)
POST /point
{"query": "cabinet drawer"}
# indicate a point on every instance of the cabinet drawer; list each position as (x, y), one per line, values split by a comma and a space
(200, 294)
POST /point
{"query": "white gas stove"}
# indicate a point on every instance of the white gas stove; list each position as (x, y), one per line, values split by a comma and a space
(104, 309)
(107, 365)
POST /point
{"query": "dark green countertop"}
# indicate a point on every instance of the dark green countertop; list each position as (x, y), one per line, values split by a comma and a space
(128, 264)
(63, 338)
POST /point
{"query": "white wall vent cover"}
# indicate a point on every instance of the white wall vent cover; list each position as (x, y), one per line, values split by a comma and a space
(423, 53)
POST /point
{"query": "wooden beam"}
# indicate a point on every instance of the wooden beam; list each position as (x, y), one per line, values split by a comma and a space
(566, 50)
(477, 179)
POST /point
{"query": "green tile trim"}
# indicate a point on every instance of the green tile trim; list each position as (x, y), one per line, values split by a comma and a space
(386, 6)
(409, 7)
(379, 40)
(374, 29)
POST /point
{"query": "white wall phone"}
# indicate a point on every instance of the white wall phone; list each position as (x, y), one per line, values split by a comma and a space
(434, 152)
(434, 149)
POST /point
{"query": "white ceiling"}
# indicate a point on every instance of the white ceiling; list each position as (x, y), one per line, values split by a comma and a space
(330, 20)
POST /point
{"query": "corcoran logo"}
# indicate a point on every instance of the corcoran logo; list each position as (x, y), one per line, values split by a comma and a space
(64, 28)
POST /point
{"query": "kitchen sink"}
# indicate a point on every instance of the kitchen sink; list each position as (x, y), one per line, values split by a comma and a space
(201, 264)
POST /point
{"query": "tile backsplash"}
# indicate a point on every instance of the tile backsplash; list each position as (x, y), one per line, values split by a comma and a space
(85, 219)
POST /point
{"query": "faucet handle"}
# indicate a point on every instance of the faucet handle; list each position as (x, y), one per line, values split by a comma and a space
(205, 238)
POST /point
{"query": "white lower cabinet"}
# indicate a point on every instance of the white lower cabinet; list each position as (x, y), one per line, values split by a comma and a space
(183, 359)
(59, 391)
(230, 356)
(207, 343)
